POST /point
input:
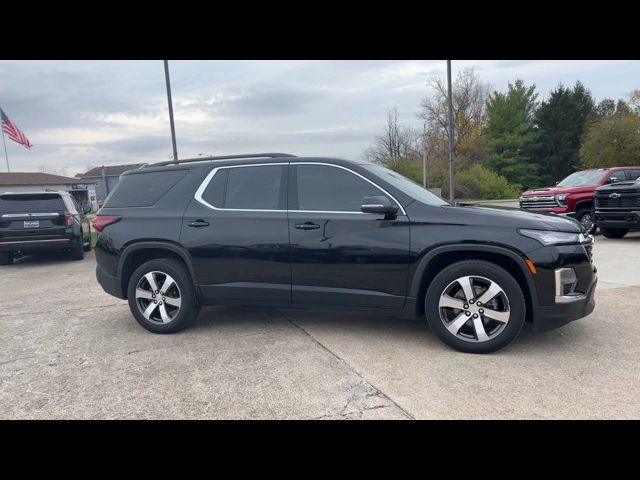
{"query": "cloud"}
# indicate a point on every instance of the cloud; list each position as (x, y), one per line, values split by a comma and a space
(86, 113)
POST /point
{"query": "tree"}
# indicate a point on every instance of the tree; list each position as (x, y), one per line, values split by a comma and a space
(612, 138)
(634, 100)
(561, 120)
(469, 114)
(512, 135)
(398, 142)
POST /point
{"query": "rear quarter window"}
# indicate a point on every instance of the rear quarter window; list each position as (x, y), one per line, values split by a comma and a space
(37, 203)
(143, 189)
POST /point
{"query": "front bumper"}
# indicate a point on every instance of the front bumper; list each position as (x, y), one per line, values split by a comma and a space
(554, 316)
(110, 284)
(629, 219)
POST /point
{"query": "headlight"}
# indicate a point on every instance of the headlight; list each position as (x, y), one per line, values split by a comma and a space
(562, 199)
(546, 237)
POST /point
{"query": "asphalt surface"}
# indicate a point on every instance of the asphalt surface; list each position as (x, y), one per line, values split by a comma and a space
(69, 350)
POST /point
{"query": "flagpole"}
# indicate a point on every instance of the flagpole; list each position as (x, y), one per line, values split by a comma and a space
(6, 155)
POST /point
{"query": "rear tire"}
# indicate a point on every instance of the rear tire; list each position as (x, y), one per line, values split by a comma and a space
(168, 316)
(77, 252)
(6, 258)
(454, 311)
(614, 232)
(585, 217)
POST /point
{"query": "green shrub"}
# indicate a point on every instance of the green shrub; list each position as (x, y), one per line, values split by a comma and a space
(478, 182)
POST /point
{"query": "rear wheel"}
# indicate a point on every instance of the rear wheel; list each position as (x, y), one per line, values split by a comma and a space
(614, 232)
(77, 252)
(585, 217)
(475, 306)
(6, 258)
(162, 297)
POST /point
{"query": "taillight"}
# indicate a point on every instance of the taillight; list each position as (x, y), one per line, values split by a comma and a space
(102, 221)
(68, 219)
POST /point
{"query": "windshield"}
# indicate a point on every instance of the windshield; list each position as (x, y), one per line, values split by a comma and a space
(580, 179)
(409, 187)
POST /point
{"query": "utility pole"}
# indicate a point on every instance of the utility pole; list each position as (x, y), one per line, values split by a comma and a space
(173, 127)
(424, 155)
(452, 186)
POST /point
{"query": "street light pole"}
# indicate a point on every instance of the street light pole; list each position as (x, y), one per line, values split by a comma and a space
(452, 186)
(424, 155)
(173, 127)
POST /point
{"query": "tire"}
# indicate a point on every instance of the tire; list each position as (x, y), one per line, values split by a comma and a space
(6, 258)
(166, 317)
(585, 217)
(86, 246)
(508, 305)
(77, 252)
(614, 232)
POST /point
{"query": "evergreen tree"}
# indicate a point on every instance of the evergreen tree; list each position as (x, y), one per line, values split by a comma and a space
(561, 120)
(512, 135)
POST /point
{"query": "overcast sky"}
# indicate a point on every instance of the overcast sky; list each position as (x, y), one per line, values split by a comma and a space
(80, 114)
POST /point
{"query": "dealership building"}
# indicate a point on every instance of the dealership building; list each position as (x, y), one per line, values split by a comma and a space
(83, 190)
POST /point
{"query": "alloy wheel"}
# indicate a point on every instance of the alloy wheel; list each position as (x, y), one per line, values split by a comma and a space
(474, 308)
(587, 222)
(158, 297)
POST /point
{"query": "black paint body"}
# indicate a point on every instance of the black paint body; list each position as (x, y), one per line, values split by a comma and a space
(287, 257)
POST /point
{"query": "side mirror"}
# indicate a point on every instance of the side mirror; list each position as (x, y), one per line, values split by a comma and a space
(380, 205)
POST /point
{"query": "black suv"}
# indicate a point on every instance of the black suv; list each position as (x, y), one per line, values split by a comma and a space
(617, 208)
(279, 230)
(42, 221)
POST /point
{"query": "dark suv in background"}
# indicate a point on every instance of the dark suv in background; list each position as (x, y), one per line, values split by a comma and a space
(41, 222)
(617, 208)
(278, 230)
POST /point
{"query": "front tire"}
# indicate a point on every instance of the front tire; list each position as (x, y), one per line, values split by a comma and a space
(614, 232)
(475, 306)
(6, 258)
(585, 217)
(162, 296)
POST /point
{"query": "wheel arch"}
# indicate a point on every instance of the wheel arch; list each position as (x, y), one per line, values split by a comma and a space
(583, 204)
(434, 261)
(138, 253)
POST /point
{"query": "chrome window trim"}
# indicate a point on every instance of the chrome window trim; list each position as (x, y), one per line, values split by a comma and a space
(205, 183)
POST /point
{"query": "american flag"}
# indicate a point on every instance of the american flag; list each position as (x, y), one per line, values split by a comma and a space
(13, 132)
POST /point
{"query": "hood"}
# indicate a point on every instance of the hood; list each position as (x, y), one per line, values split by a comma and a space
(620, 187)
(557, 190)
(493, 216)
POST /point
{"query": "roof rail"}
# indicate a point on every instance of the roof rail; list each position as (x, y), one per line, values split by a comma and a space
(225, 157)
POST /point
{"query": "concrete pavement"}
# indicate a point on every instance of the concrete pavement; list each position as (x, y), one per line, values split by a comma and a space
(72, 351)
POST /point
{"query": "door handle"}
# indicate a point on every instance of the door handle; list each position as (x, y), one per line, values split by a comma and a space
(198, 223)
(307, 226)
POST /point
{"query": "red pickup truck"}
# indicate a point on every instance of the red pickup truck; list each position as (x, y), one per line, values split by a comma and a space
(574, 195)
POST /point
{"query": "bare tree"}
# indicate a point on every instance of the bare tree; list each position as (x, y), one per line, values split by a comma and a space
(397, 142)
(469, 106)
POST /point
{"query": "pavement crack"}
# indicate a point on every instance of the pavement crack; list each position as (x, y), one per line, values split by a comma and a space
(378, 391)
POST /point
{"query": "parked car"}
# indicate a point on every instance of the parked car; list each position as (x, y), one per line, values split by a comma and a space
(573, 196)
(40, 222)
(617, 208)
(278, 230)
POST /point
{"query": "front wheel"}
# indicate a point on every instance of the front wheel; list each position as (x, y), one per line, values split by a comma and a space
(6, 258)
(475, 306)
(614, 232)
(585, 217)
(162, 296)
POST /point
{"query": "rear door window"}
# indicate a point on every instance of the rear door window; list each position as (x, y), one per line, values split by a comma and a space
(143, 189)
(254, 188)
(36, 203)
